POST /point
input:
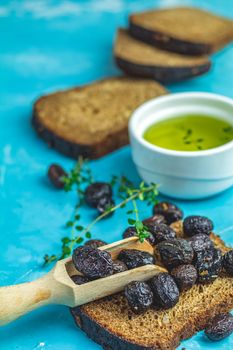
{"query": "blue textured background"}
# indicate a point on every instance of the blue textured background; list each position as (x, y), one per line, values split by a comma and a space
(49, 45)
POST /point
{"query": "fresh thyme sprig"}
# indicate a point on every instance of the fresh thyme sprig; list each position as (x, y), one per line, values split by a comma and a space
(149, 194)
(76, 179)
(79, 177)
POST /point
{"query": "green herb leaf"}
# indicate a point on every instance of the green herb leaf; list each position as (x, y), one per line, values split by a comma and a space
(65, 240)
(131, 221)
(79, 240)
(69, 224)
(129, 212)
(139, 225)
(88, 235)
(66, 250)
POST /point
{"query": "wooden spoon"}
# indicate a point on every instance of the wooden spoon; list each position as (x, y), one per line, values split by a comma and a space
(57, 287)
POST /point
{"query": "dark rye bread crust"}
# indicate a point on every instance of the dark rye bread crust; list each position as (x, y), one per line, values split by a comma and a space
(54, 141)
(166, 42)
(164, 75)
(102, 330)
(101, 335)
(111, 341)
(142, 60)
(75, 150)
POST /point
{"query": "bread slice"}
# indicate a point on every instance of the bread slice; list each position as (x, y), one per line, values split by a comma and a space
(140, 59)
(110, 322)
(185, 30)
(92, 120)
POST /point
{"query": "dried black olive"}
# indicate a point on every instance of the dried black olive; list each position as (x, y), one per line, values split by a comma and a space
(196, 224)
(165, 290)
(173, 216)
(139, 296)
(119, 266)
(93, 263)
(95, 243)
(105, 203)
(132, 232)
(78, 279)
(161, 232)
(185, 276)
(96, 191)
(208, 264)
(135, 258)
(169, 210)
(155, 219)
(175, 252)
(228, 262)
(201, 242)
(56, 174)
(220, 327)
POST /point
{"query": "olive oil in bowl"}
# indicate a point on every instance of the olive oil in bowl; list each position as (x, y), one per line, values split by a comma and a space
(190, 133)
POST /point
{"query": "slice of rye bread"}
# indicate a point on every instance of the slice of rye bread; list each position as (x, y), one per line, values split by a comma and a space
(111, 323)
(92, 120)
(143, 60)
(186, 30)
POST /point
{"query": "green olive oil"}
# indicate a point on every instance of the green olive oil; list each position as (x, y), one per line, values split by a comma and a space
(190, 133)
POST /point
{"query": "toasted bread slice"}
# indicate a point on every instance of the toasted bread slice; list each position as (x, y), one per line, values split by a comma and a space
(111, 323)
(186, 30)
(140, 59)
(92, 120)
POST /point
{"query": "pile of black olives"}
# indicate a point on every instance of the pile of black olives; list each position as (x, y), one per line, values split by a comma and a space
(94, 263)
(189, 260)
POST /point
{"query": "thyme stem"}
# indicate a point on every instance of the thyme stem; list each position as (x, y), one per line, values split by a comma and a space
(80, 175)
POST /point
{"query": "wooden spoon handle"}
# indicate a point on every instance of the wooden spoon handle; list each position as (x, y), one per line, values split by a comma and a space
(20, 299)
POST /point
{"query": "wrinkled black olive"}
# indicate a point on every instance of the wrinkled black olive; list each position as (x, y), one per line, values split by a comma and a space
(96, 191)
(56, 174)
(105, 203)
(155, 219)
(135, 258)
(175, 252)
(165, 290)
(139, 296)
(208, 264)
(196, 224)
(201, 242)
(220, 327)
(228, 262)
(185, 276)
(78, 279)
(119, 266)
(93, 263)
(161, 232)
(132, 232)
(95, 243)
(169, 210)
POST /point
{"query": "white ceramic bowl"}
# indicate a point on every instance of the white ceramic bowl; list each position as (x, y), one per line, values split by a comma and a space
(187, 175)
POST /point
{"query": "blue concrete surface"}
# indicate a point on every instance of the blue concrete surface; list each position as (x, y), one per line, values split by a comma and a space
(45, 46)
